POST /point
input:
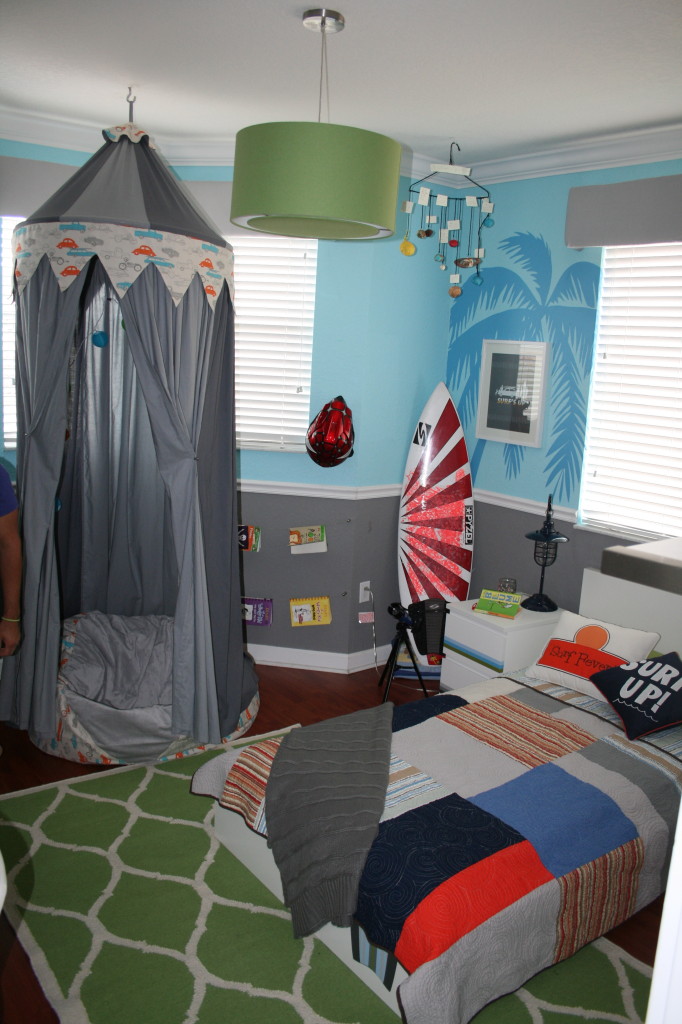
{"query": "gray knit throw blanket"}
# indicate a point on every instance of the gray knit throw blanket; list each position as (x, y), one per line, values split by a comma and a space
(324, 799)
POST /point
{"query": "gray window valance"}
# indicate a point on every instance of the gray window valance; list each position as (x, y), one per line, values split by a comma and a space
(640, 212)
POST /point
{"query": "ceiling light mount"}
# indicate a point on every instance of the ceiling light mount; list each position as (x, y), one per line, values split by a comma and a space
(321, 19)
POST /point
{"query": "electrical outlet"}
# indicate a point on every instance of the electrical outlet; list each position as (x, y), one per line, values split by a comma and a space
(365, 592)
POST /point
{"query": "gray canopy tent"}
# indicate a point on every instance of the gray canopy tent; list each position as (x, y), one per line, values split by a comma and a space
(132, 633)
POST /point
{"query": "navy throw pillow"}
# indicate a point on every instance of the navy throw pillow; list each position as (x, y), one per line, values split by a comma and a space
(646, 694)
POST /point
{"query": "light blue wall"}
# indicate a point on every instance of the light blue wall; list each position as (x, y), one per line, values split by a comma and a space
(46, 154)
(381, 332)
(532, 212)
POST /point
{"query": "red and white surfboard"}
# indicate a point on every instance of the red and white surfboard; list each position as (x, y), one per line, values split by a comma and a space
(436, 529)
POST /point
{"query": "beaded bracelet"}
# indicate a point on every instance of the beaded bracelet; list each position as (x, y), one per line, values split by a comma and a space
(5, 619)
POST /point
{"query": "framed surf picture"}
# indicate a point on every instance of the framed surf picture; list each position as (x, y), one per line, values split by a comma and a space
(511, 393)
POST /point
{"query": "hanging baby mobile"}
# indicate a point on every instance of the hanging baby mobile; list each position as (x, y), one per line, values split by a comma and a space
(455, 223)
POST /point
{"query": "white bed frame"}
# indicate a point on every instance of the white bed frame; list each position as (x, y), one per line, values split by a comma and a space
(602, 597)
(631, 604)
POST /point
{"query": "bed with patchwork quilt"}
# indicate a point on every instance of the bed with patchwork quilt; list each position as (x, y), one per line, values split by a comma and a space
(517, 823)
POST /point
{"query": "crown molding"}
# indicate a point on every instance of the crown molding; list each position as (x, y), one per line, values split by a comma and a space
(648, 145)
(36, 130)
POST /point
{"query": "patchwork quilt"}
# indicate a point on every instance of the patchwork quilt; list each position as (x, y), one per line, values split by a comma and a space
(519, 824)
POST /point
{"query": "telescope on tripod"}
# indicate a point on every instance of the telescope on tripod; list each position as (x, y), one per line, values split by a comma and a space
(426, 621)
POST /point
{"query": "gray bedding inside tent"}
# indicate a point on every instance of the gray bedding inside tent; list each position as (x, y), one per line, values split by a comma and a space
(116, 677)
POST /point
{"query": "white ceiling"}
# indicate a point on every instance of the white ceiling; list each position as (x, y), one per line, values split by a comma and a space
(502, 78)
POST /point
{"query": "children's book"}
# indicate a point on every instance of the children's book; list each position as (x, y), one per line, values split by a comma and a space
(306, 534)
(249, 538)
(310, 611)
(306, 540)
(498, 602)
(257, 611)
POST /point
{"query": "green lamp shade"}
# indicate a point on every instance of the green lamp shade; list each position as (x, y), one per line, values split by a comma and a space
(314, 180)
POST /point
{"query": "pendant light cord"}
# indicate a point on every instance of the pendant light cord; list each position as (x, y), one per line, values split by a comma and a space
(324, 71)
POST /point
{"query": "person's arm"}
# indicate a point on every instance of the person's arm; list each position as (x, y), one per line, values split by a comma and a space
(10, 583)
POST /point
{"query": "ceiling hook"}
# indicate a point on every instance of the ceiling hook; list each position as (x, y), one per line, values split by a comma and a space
(131, 103)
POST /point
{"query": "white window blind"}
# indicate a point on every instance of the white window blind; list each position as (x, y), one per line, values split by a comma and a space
(275, 282)
(632, 474)
(7, 333)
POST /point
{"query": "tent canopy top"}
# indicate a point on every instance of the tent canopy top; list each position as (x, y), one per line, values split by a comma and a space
(127, 207)
(128, 182)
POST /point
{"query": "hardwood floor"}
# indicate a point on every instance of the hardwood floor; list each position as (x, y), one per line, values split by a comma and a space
(288, 696)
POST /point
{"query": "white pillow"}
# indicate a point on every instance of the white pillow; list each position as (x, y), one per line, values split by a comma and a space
(579, 647)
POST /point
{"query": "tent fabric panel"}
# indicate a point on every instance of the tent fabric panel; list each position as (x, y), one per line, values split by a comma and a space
(115, 546)
(172, 364)
(236, 679)
(68, 193)
(170, 204)
(46, 319)
(116, 188)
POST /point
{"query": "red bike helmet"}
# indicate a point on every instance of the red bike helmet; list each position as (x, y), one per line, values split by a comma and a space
(330, 436)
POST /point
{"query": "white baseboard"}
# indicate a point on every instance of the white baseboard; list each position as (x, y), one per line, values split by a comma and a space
(321, 661)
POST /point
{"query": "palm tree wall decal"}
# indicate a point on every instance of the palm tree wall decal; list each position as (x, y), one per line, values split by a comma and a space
(528, 306)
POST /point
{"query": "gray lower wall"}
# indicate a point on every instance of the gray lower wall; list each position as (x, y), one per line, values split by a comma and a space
(361, 542)
(501, 549)
(362, 538)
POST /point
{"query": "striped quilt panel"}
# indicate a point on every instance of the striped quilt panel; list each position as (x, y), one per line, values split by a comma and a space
(407, 784)
(597, 896)
(522, 732)
(244, 790)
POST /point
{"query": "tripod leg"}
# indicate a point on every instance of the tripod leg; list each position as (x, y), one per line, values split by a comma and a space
(392, 656)
(389, 668)
(386, 673)
(414, 662)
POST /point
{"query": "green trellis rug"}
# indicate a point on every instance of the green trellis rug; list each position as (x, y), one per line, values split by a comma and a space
(132, 913)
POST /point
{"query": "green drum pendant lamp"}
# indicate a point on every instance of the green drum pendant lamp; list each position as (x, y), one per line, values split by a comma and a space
(314, 179)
